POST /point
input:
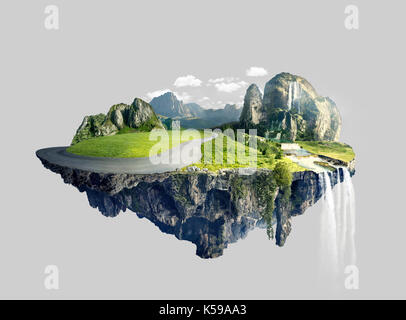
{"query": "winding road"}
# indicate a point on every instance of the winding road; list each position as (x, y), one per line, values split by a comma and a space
(178, 157)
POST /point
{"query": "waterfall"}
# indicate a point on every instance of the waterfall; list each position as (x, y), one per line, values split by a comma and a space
(294, 93)
(349, 211)
(337, 235)
(290, 95)
(329, 249)
(340, 218)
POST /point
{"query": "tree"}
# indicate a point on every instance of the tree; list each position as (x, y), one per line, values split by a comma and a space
(283, 178)
(282, 174)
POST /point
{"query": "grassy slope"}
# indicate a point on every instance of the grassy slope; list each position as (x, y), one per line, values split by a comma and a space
(263, 161)
(336, 150)
(124, 145)
(128, 144)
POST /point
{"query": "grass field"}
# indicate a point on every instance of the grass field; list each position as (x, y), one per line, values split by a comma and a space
(336, 150)
(130, 145)
(237, 156)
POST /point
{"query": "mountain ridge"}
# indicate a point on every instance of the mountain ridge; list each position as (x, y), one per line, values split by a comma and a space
(192, 115)
(138, 116)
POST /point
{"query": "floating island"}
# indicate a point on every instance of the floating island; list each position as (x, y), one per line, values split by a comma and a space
(135, 158)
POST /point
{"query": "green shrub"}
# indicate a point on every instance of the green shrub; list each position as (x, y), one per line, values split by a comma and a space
(282, 174)
(265, 188)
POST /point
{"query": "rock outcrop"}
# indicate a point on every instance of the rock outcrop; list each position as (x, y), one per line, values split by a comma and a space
(139, 115)
(292, 110)
(253, 111)
(211, 210)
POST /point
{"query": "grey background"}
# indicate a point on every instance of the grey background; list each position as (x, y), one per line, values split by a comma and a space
(112, 51)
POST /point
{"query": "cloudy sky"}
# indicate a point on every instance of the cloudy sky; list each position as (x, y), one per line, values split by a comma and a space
(213, 92)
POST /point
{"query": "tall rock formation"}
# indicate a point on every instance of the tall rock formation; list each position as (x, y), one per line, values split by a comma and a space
(139, 115)
(292, 110)
(253, 111)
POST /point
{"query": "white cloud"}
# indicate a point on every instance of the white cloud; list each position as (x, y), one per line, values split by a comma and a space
(157, 93)
(222, 79)
(227, 84)
(187, 81)
(256, 72)
(230, 86)
(216, 80)
(184, 96)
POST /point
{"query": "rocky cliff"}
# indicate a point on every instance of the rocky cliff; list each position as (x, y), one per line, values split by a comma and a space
(169, 106)
(139, 115)
(291, 109)
(211, 210)
(253, 111)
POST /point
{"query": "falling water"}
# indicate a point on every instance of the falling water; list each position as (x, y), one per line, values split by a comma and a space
(349, 210)
(329, 249)
(294, 93)
(340, 202)
(337, 225)
(290, 98)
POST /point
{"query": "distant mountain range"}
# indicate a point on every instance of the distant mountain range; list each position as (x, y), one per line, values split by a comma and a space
(192, 115)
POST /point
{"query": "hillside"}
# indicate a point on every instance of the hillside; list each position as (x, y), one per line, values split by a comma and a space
(139, 116)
